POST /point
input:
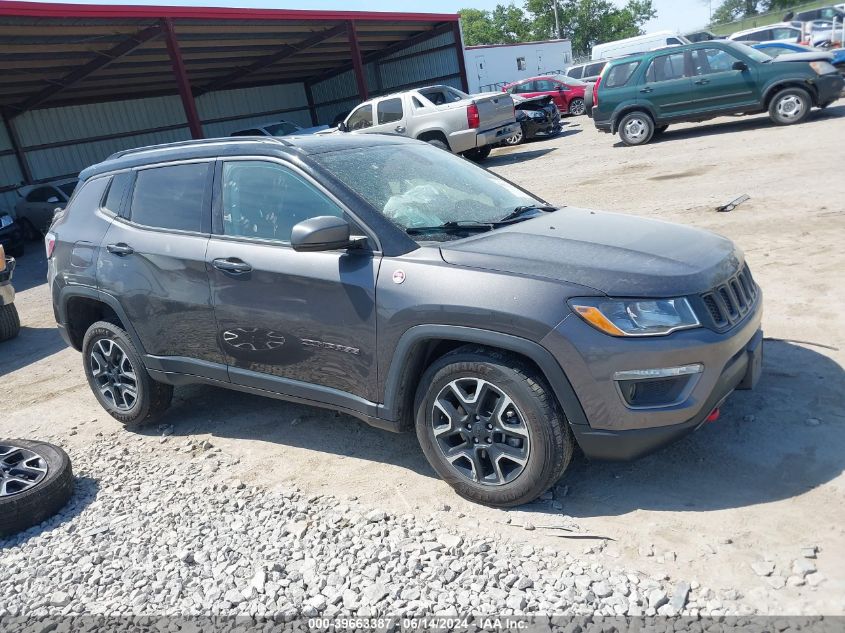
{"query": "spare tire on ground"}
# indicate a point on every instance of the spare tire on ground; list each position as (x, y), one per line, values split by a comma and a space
(36, 481)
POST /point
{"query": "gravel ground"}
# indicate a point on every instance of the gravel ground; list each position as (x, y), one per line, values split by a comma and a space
(752, 507)
(147, 534)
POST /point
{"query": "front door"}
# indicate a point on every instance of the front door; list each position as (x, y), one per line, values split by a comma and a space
(390, 117)
(288, 320)
(717, 86)
(668, 86)
(153, 263)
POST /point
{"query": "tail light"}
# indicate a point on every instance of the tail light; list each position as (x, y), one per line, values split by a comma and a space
(596, 92)
(473, 118)
(50, 244)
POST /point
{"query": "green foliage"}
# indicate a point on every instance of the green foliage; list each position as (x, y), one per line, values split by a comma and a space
(731, 10)
(585, 22)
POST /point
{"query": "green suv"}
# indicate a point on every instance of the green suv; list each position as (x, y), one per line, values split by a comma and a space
(638, 96)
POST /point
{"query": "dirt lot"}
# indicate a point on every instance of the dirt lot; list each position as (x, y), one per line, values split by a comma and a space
(759, 484)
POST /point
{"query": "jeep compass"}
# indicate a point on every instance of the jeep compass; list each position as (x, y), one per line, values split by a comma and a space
(385, 278)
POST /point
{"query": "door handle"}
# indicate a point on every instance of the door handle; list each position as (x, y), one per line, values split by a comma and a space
(702, 82)
(120, 249)
(231, 265)
(647, 90)
(400, 128)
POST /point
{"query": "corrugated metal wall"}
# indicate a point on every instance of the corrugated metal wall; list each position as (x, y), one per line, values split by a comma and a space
(60, 142)
(340, 94)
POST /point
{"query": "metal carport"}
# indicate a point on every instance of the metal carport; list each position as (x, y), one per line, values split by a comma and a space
(80, 81)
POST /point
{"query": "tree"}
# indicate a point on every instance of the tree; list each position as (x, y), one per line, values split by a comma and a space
(506, 24)
(731, 10)
(478, 27)
(589, 22)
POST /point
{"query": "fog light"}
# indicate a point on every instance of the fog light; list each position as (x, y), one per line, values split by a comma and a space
(665, 372)
(646, 388)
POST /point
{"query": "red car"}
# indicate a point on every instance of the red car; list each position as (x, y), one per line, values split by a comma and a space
(566, 92)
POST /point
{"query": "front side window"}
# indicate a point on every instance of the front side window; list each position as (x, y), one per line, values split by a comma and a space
(707, 61)
(545, 85)
(171, 197)
(264, 200)
(422, 186)
(620, 74)
(671, 41)
(666, 68)
(360, 119)
(389, 111)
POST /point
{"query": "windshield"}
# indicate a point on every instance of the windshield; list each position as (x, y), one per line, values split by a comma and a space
(424, 186)
(753, 53)
(282, 129)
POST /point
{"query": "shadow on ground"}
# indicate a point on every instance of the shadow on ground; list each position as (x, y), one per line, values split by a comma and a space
(30, 346)
(84, 493)
(773, 443)
(31, 268)
(509, 156)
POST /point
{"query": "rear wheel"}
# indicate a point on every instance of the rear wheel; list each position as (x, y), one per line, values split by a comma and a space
(636, 128)
(438, 143)
(489, 425)
(10, 323)
(118, 378)
(790, 106)
(577, 107)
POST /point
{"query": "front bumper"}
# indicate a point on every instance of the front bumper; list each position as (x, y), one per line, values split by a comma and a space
(830, 87)
(532, 128)
(616, 430)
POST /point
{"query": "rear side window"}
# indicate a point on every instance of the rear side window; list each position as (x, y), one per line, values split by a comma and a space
(666, 68)
(117, 192)
(171, 197)
(576, 71)
(389, 111)
(594, 70)
(620, 74)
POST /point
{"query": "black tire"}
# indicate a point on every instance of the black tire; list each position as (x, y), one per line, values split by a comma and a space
(550, 441)
(10, 323)
(790, 106)
(438, 143)
(636, 128)
(30, 506)
(30, 233)
(660, 129)
(150, 398)
(479, 154)
(577, 107)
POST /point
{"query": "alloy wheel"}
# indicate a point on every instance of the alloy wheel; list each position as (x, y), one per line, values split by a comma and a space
(480, 431)
(577, 107)
(20, 470)
(636, 129)
(790, 107)
(516, 139)
(113, 374)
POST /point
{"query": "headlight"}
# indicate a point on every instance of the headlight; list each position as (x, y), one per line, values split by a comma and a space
(636, 317)
(5, 220)
(822, 68)
(538, 114)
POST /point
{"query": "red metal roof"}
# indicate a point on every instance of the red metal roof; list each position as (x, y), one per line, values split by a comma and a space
(65, 10)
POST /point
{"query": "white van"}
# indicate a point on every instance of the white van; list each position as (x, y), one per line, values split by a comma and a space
(639, 44)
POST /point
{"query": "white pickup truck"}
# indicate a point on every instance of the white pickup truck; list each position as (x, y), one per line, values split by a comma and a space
(440, 115)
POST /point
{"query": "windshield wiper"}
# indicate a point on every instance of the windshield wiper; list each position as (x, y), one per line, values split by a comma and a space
(451, 227)
(519, 212)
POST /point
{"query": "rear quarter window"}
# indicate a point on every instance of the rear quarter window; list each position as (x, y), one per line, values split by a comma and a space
(88, 196)
(620, 74)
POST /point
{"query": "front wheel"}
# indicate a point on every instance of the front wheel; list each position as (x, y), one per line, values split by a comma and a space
(577, 107)
(790, 106)
(479, 154)
(636, 128)
(489, 425)
(118, 378)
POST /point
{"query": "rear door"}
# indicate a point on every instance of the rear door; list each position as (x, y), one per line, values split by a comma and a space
(668, 86)
(717, 86)
(153, 262)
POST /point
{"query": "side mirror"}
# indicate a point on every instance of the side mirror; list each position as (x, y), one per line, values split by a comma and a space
(323, 233)
(740, 66)
(341, 127)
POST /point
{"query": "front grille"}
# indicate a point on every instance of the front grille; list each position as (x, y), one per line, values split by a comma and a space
(729, 302)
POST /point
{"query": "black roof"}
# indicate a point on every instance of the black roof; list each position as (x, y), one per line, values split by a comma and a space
(238, 146)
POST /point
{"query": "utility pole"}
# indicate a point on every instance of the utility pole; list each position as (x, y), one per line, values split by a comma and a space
(557, 23)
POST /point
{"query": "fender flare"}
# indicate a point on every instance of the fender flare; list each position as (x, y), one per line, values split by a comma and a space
(69, 292)
(789, 82)
(547, 364)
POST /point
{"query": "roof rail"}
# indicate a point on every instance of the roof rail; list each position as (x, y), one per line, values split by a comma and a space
(206, 141)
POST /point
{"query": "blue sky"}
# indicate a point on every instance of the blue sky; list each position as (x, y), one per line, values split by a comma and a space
(674, 15)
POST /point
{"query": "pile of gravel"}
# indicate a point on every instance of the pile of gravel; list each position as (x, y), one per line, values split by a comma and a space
(150, 531)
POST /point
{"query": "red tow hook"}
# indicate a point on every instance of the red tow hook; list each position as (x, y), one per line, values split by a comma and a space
(714, 415)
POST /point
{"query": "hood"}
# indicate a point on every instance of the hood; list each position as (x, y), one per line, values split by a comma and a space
(619, 255)
(809, 56)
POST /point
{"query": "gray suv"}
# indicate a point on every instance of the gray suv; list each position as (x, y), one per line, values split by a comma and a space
(390, 280)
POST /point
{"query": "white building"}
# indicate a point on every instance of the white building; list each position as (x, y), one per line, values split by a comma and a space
(489, 67)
